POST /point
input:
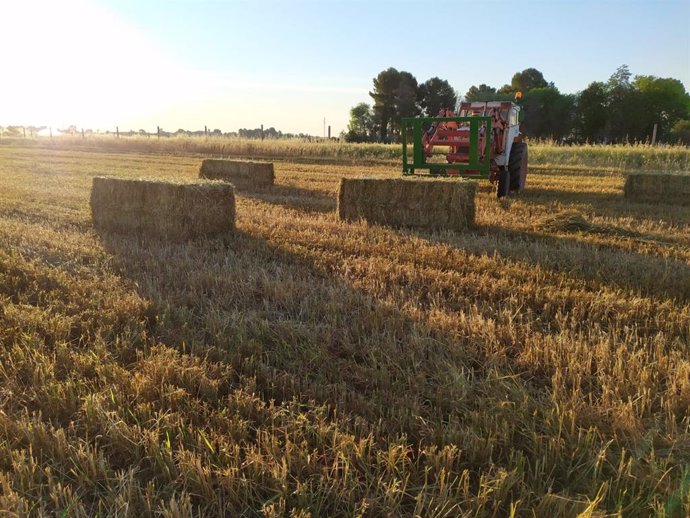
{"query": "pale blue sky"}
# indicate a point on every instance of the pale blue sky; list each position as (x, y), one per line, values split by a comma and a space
(290, 64)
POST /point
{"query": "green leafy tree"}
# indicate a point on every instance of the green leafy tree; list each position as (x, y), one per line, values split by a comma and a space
(35, 130)
(528, 79)
(384, 95)
(620, 79)
(590, 109)
(405, 100)
(617, 110)
(362, 125)
(624, 110)
(72, 130)
(681, 131)
(395, 96)
(480, 93)
(662, 101)
(13, 131)
(621, 106)
(434, 94)
(549, 114)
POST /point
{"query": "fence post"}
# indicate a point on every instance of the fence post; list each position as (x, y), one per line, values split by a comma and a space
(158, 131)
(117, 131)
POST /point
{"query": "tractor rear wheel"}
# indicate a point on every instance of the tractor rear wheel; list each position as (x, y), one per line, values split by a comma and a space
(517, 165)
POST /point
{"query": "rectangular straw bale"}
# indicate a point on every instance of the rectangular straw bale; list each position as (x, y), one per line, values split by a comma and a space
(658, 187)
(243, 175)
(430, 203)
(175, 211)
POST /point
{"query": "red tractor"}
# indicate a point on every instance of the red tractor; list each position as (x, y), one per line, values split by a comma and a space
(481, 140)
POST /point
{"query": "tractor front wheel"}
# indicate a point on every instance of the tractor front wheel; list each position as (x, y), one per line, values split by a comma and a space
(517, 165)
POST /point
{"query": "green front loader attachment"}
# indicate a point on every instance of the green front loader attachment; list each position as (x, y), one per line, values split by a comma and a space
(466, 139)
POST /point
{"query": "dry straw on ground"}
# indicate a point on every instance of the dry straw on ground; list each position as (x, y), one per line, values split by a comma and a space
(243, 175)
(174, 211)
(342, 370)
(431, 203)
(672, 188)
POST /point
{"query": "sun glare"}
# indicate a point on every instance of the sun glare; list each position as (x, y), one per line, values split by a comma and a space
(73, 62)
(76, 62)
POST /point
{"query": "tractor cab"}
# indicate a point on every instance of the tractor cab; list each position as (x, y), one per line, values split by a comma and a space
(505, 127)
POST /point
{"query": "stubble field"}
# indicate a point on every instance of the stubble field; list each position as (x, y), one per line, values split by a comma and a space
(537, 365)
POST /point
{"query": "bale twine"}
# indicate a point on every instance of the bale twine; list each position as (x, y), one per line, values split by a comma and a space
(429, 203)
(243, 175)
(658, 187)
(175, 211)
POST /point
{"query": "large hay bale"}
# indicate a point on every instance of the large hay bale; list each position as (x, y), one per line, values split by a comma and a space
(243, 175)
(658, 187)
(430, 203)
(176, 211)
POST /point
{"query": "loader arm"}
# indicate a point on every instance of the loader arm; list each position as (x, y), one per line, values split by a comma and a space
(466, 139)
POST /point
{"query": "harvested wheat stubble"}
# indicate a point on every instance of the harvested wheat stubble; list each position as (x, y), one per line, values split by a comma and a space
(243, 175)
(176, 211)
(660, 187)
(430, 203)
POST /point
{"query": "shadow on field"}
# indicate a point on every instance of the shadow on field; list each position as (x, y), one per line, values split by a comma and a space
(647, 274)
(292, 330)
(556, 195)
(559, 171)
(294, 198)
(609, 204)
(298, 332)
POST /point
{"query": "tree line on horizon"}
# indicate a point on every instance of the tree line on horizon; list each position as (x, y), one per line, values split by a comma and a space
(622, 109)
(19, 131)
